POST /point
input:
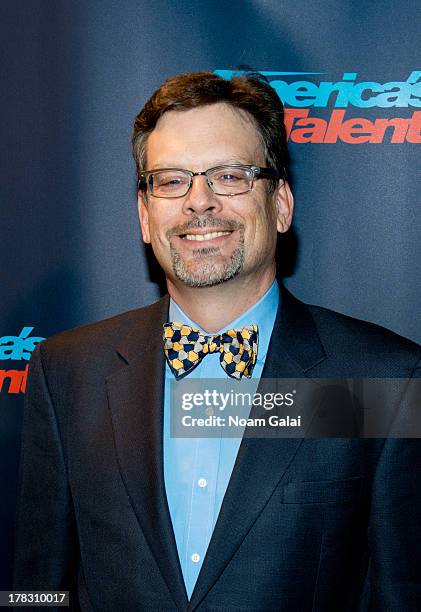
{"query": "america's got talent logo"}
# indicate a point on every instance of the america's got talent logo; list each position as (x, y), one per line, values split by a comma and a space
(319, 110)
(17, 348)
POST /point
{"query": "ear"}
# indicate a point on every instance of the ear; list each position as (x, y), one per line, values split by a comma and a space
(284, 206)
(143, 217)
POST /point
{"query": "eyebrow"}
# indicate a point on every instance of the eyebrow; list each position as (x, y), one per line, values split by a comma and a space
(216, 163)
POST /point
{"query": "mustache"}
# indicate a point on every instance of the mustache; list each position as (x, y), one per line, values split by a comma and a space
(203, 222)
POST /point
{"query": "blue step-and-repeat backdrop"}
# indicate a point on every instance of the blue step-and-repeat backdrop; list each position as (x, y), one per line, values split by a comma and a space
(74, 76)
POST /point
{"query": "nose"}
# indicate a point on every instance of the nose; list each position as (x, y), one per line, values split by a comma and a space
(200, 198)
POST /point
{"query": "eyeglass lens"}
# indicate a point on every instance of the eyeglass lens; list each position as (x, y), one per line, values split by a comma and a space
(224, 180)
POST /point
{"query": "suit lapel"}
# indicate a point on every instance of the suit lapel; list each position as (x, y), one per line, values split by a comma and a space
(135, 395)
(294, 348)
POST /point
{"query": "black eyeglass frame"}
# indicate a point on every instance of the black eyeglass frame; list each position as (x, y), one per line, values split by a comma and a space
(144, 182)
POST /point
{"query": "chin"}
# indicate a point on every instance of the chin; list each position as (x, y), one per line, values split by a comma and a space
(207, 275)
(207, 272)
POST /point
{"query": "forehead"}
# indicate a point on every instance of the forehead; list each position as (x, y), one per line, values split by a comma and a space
(199, 138)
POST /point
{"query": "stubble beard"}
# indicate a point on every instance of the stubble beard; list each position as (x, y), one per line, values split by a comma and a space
(205, 270)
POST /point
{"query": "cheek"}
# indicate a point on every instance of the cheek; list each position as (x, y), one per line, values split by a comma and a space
(262, 224)
(159, 223)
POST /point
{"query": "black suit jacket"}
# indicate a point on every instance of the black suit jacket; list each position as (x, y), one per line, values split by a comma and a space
(306, 524)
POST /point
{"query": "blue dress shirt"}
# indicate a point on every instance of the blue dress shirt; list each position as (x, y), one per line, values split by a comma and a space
(197, 470)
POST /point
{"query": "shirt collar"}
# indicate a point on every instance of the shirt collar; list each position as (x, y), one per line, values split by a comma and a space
(263, 313)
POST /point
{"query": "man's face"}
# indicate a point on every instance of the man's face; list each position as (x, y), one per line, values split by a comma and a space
(203, 239)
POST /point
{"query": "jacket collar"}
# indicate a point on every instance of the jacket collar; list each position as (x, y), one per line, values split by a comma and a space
(294, 328)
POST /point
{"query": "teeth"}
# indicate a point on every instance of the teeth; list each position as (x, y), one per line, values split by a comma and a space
(209, 236)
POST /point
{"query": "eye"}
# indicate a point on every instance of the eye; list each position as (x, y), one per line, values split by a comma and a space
(229, 176)
(170, 180)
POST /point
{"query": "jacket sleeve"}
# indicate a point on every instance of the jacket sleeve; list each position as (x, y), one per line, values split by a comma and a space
(46, 545)
(395, 523)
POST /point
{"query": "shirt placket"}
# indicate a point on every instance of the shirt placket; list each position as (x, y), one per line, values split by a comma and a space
(203, 489)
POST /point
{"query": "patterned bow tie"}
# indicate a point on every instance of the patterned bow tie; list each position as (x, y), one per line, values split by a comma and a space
(185, 347)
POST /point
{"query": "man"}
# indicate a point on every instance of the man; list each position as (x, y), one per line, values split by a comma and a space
(129, 518)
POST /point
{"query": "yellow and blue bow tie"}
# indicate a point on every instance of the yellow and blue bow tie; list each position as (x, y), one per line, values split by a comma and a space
(185, 347)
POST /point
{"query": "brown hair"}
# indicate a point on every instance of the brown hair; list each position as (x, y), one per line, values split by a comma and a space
(250, 93)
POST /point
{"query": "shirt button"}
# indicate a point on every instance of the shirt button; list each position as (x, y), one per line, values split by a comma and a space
(209, 412)
(202, 482)
(195, 558)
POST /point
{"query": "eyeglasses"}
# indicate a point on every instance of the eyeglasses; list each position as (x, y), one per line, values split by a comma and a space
(227, 180)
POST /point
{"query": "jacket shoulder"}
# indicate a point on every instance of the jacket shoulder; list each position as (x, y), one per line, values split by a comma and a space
(357, 340)
(102, 336)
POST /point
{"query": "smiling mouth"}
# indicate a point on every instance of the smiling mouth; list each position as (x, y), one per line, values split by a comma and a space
(202, 237)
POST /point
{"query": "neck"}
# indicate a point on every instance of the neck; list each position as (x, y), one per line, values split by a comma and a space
(213, 308)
